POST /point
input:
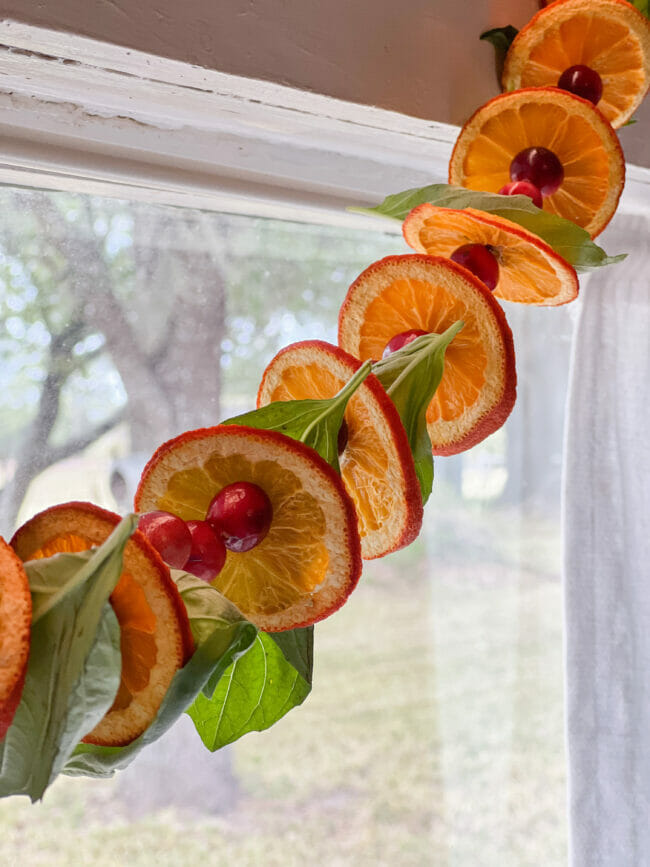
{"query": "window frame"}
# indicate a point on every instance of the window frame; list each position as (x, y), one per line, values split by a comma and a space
(97, 118)
(93, 117)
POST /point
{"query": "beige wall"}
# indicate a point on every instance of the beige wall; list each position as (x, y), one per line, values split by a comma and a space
(419, 57)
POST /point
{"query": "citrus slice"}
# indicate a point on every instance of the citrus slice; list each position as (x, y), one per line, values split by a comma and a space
(309, 561)
(571, 128)
(428, 293)
(530, 271)
(15, 628)
(376, 464)
(155, 637)
(609, 37)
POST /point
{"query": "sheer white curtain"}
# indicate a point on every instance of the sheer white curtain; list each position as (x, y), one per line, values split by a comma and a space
(607, 560)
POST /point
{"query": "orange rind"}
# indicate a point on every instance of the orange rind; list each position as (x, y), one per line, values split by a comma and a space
(15, 629)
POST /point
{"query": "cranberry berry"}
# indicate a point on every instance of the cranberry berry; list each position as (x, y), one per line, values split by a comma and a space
(400, 340)
(480, 260)
(540, 166)
(342, 439)
(208, 553)
(169, 535)
(523, 188)
(241, 514)
(582, 81)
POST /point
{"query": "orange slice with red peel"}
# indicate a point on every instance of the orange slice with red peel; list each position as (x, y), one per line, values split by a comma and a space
(15, 629)
(610, 37)
(310, 560)
(155, 637)
(376, 465)
(530, 271)
(429, 293)
(570, 127)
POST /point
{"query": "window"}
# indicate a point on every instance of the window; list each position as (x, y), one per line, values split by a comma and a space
(434, 729)
(434, 732)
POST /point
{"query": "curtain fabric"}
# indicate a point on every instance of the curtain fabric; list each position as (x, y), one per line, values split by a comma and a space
(607, 560)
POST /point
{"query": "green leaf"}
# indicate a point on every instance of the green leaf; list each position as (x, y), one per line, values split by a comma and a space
(411, 376)
(313, 422)
(501, 39)
(207, 609)
(631, 121)
(643, 6)
(568, 240)
(259, 688)
(209, 612)
(73, 670)
(297, 646)
(217, 648)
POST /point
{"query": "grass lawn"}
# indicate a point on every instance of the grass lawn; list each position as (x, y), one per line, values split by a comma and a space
(433, 735)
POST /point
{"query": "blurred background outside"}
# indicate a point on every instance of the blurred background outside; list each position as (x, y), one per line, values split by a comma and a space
(434, 732)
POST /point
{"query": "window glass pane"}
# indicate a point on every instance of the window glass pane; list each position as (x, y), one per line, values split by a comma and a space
(433, 734)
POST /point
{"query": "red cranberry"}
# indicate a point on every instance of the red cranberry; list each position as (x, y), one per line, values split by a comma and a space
(480, 260)
(342, 439)
(540, 166)
(583, 81)
(241, 514)
(208, 552)
(169, 535)
(400, 340)
(523, 188)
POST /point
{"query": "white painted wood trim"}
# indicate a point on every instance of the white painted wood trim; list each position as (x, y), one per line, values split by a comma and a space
(76, 113)
(124, 123)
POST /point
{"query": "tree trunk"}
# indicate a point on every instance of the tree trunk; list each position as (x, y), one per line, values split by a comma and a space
(163, 324)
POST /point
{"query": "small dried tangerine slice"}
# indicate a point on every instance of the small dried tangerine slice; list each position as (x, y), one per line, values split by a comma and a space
(155, 637)
(310, 560)
(377, 465)
(428, 293)
(15, 630)
(572, 128)
(530, 271)
(609, 36)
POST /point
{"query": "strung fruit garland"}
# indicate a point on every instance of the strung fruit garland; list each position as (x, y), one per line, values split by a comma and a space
(252, 531)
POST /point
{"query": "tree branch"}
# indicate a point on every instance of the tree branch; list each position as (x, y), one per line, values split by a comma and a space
(54, 454)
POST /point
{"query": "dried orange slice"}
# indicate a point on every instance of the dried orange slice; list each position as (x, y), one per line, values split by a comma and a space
(545, 117)
(15, 628)
(154, 630)
(428, 293)
(310, 560)
(530, 271)
(376, 464)
(609, 37)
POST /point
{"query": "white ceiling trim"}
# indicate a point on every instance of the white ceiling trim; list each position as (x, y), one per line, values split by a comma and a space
(126, 123)
(76, 113)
